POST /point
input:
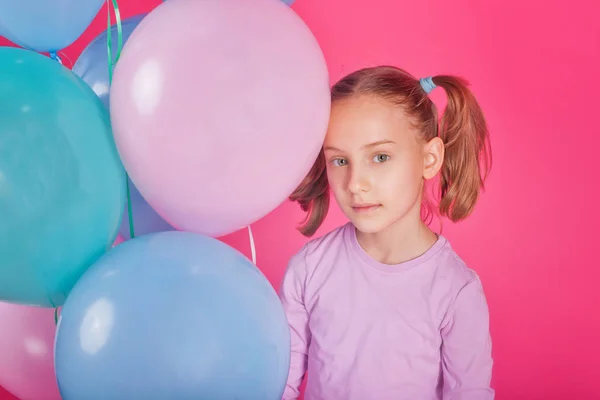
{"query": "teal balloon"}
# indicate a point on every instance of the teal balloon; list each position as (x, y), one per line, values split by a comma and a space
(62, 184)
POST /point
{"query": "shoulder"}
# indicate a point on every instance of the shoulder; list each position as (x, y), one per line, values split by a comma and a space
(452, 268)
(318, 249)
(327, 243)
(452, 279)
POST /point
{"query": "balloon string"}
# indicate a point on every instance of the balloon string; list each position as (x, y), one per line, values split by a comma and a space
(111, 62)
(252, 246)
(55, 310)
(129, 208)
(67, 57)
(111, 66)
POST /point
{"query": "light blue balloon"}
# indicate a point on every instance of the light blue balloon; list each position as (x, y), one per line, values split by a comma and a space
(172, 315)
(145, 219)
(92, 67)
(62, 184)
(92, 64)
(46, 25)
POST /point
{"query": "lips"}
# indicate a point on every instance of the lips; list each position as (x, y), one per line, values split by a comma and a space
(364, 208)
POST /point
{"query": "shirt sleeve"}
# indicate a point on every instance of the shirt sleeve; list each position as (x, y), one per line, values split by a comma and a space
(466, 346)
(292, 298)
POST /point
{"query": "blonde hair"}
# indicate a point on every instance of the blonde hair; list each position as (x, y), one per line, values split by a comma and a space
(462, 128)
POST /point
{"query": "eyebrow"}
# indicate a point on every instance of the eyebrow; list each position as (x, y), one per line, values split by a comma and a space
(366, 146)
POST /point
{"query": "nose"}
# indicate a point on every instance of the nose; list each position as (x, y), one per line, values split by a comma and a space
(358, 180)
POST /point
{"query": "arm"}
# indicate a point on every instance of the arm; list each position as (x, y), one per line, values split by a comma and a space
(292, 298)
(466, 346)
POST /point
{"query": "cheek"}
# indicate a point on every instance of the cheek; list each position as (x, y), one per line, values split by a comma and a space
(403, 180)
(333, 177)
(336, 179)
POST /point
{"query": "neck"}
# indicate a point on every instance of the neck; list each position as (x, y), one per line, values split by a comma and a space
(404, 240)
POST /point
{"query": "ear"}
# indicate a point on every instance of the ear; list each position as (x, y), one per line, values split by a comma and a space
(433, 157)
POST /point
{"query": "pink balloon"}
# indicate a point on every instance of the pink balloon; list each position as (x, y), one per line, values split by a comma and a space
(27, 352)
(219, 109)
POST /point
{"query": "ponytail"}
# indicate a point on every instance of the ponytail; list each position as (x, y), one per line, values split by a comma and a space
(468, 156)
(313, 197)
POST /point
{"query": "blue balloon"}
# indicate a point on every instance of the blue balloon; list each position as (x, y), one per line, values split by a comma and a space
(92, 67)
(92, 64)
(62, 184)
(172, 315)
(46, 25)
(145, 219)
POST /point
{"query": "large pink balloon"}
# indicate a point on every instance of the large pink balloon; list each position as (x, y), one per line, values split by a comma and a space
(27, 352)
(219, 109)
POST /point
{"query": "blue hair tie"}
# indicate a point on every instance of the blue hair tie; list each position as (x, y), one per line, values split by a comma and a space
(427, 84)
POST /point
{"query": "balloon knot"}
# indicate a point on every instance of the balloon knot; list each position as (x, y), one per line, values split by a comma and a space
(55, 57)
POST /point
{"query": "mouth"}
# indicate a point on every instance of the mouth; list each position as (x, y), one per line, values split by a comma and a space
(365, 208)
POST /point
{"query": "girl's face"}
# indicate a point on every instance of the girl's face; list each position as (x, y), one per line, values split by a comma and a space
(376, 162)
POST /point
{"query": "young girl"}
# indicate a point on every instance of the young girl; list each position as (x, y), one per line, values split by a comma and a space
(383, 308)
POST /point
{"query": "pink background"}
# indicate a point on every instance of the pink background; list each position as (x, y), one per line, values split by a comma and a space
(535, 66)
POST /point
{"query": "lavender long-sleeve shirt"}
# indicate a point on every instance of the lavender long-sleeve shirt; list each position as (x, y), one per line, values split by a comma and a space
(369, 331)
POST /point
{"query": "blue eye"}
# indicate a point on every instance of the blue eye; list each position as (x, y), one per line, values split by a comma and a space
(379, 158)
(339, 162)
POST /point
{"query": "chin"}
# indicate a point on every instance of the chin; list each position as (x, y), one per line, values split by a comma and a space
(369, 225)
